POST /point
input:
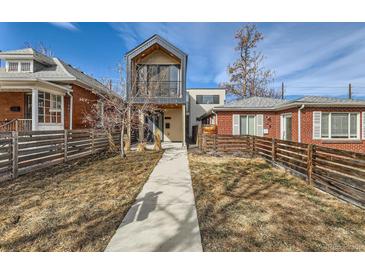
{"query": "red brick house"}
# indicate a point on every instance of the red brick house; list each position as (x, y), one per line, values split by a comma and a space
(332, 122)
(62, 93)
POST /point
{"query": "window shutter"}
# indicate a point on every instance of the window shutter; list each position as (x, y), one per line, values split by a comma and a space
(317, 124)
(235, 124)
(363, 125)
(260, 125)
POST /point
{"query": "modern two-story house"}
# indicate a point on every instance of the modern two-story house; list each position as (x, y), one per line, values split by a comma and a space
(38, 92)
(156, 75)
(325, 121)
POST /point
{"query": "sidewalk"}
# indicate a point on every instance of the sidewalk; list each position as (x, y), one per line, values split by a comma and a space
(163, 217)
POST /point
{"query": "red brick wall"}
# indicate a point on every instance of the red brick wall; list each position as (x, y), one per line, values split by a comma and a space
(307, 130)
(81, 106)
(272, 123)
(11, 99)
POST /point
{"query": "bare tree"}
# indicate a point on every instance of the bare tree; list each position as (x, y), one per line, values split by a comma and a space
(115, 110)
(40, 47)
(248, 77)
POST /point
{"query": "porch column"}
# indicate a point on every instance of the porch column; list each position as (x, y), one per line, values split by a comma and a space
(63, 111)
(34, 109)
(183, 126)
(141, 126)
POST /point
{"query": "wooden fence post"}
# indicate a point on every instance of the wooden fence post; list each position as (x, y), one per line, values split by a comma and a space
(310, 156)
(93, 141)
(253, 146)
(65, 145)
(15, 153)
(273, 150)
(215, 142)
(203, 142)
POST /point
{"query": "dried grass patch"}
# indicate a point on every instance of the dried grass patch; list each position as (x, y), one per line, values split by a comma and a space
(72, 207)
(247, 205)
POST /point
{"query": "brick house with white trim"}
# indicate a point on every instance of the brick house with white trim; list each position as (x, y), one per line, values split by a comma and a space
(332, 122)
(62, 93)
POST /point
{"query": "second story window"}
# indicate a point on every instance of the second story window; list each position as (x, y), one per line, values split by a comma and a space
(25, 66)
(13, 66)
(207, 99)
(158, 80)
(20, 66)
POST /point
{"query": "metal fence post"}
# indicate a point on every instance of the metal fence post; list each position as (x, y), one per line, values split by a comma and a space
(15, 153)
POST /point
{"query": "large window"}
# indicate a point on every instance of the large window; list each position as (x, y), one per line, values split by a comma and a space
(19, 66)
(25, 66)
(340, 125)
(207, 99)
(158, 80)
(247, 125)
(49, 108)
(13, 66)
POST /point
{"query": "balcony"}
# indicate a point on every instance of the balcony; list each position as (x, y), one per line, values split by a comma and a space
(158, 89)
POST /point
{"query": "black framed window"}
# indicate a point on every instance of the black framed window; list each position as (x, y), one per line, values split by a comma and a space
(158, 80)
(207, 99)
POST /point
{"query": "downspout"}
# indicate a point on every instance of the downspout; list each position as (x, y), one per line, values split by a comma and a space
(299, 124)
(71, 108)
(216, 117)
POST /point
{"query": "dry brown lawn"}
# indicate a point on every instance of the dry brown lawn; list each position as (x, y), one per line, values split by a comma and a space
(72, 207)
(246, 205)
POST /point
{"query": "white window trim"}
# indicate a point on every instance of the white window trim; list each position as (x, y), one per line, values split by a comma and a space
(51, 109)
(282, 116)
(19, 65)
(348, 120)
(254, 122)
(43, 124)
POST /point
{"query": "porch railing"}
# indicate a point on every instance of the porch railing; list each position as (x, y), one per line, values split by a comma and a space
(157, 89)
(16, 125)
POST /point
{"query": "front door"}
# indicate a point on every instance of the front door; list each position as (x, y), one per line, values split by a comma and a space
(286, 127)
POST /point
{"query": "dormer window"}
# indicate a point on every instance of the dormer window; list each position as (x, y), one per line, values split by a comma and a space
(19, 66)
(13, 66)
(25, 66)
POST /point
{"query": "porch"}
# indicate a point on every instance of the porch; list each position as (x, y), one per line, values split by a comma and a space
(168, 121)
(17, 99)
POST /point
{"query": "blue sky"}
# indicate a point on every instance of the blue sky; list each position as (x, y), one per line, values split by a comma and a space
(311, 58)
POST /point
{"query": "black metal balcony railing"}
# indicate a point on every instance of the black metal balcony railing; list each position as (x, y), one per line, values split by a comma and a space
(158, 89)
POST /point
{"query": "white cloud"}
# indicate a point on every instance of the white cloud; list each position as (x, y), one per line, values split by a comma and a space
(65, 25)
(306, 56)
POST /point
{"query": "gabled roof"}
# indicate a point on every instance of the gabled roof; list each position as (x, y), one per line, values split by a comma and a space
(82, 77)
(271, 104)
(256, 102)
(56, 71)
(328, 100)
(155, 39)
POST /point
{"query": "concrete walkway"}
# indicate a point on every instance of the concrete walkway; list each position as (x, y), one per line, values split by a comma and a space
(163, 217)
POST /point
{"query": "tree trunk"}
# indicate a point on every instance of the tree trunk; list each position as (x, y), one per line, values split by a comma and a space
(122, 152)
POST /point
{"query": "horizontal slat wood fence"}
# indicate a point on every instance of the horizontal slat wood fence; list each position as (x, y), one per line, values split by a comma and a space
(338, 172)
(23, 152)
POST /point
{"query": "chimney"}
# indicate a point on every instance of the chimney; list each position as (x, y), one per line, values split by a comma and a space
(350, 91)
(282, 90)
